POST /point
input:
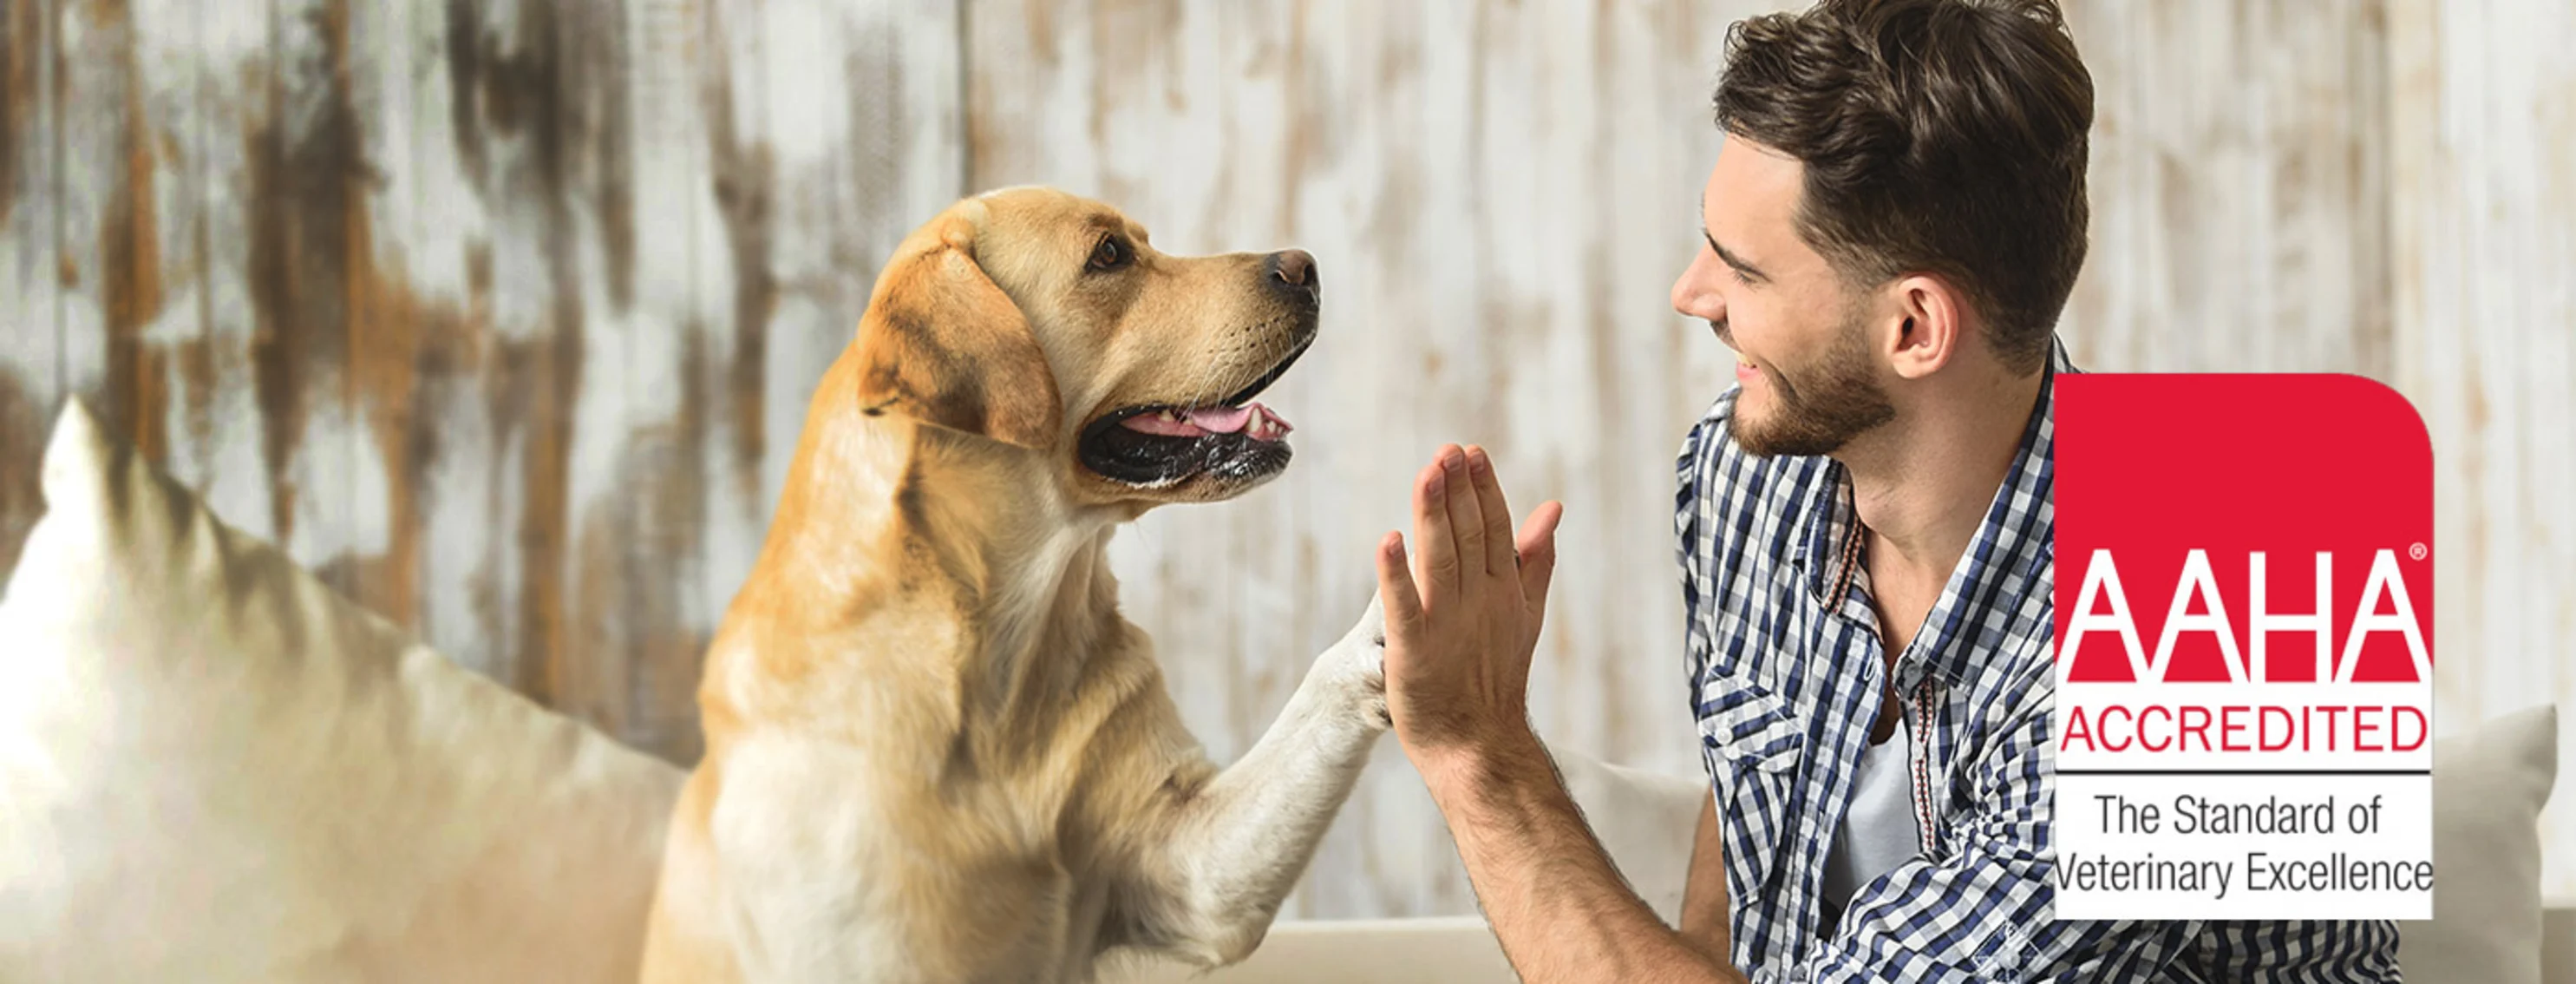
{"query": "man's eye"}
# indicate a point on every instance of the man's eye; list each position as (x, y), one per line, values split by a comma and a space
(1109, 255)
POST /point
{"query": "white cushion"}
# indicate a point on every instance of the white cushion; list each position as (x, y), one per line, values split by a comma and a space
(2488, 787)
(216, 769)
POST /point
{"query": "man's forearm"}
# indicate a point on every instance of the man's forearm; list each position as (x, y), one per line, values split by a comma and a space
(1554, 899)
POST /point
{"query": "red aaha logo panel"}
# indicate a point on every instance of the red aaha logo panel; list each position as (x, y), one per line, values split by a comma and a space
(2295, 546)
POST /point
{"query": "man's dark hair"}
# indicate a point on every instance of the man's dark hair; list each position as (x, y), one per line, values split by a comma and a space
(1939, 136)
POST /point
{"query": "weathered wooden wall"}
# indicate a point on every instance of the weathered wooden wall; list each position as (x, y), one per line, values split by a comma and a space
(503, 314)
(497, 314)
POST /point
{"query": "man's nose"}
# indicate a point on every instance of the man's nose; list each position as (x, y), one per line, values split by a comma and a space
(1693, 293)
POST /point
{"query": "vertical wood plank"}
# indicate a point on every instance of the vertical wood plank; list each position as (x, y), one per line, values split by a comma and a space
(215, 60)
(304, 191)
(2483, 205)
(91, 43)
(385, 328)
(30, 339)
(140, 260)
(436, 343)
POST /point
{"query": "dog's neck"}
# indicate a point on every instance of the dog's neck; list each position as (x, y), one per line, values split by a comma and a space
(1032, 565)
(981, 526)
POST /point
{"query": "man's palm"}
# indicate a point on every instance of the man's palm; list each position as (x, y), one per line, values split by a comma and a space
(1463, 617)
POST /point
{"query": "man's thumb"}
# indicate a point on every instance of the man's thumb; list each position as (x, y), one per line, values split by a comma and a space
(1395, 587)
(1537, 544)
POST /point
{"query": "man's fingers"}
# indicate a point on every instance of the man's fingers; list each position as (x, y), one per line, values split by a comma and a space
(1538, 553)
(1403, 607)
(1497, 531)
(1436, 566)
(1466, 515)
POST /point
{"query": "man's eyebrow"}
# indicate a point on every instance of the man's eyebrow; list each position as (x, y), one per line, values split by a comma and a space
(1730, 259)
(1738, 262)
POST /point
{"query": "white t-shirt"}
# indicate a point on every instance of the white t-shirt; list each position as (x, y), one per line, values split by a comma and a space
(1879, 832)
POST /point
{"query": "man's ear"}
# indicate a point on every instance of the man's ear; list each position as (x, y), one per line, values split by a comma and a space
(942, 344)
(1931, 317)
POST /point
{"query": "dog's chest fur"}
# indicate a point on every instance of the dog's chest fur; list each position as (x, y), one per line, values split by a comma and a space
(948, 826)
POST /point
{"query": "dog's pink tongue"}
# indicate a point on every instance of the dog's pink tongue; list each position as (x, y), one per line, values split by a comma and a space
(1254, 421)
(1220, 420)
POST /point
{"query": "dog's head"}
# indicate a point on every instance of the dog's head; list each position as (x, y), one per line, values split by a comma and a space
(1038, 319)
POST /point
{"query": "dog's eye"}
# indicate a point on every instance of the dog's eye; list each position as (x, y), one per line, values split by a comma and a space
(1111, 254)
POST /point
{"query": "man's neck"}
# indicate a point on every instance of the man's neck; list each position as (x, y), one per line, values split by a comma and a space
(1922, 485)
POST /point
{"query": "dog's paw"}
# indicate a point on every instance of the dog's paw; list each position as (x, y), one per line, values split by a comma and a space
(1371, 628)
(1374, 711)
(1360, 658)
(1367, 689)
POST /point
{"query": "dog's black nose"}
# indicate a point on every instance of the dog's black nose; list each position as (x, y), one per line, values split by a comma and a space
(1294, 271)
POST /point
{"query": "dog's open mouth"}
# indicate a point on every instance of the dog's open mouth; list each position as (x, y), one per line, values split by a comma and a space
(1154, 445)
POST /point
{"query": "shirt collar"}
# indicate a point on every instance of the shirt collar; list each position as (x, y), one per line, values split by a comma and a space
(2014, 539)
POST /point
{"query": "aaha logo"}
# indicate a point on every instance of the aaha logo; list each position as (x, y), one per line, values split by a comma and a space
(2241, 529)
(2200, 606)
(2243, 590)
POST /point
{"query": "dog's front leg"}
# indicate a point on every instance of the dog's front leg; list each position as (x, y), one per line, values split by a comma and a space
(1241, 841)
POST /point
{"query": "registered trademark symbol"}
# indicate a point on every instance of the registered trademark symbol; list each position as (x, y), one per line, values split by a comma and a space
(2418, 551)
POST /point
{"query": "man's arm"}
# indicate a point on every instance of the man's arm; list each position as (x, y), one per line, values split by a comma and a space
(1706, 920)
(1460, 630)
(1552, 895)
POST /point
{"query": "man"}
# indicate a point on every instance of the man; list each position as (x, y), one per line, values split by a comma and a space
(1893, 225)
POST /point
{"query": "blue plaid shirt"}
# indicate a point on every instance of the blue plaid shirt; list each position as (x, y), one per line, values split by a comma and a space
(1787, 673)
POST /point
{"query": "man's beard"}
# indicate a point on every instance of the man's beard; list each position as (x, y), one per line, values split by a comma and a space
(1836, 402)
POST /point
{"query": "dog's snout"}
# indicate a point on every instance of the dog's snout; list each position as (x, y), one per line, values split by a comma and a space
(1294, 271)
(1295, 267)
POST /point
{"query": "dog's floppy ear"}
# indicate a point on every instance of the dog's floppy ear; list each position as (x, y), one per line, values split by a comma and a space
(941, 343)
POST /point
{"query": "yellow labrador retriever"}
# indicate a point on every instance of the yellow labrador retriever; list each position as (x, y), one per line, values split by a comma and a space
(935, 751)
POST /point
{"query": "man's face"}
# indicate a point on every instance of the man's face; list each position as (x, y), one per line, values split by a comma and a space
(1811, 379)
